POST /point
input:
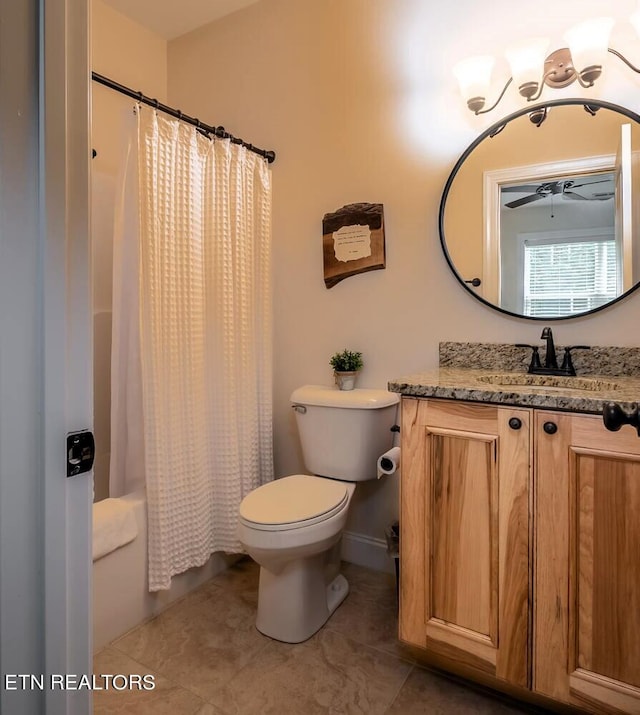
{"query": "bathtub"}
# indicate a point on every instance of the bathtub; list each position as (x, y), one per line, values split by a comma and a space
(121, 599)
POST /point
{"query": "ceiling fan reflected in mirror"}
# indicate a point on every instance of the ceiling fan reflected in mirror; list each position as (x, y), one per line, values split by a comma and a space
(568, 189)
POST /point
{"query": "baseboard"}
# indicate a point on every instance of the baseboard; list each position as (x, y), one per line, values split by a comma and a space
(366, 551)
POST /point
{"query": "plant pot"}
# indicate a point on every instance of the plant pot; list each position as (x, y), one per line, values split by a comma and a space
(346, 380)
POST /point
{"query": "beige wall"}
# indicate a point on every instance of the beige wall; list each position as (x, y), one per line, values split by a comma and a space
(133, 56)
(357, 99)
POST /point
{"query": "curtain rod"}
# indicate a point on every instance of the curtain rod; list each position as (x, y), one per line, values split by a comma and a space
(201, 126)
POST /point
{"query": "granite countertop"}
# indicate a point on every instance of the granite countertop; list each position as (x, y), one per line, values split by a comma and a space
(462, 384)
(499, 367)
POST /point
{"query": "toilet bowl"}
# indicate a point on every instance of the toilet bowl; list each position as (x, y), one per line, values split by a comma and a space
(292, 526)
(291, 544)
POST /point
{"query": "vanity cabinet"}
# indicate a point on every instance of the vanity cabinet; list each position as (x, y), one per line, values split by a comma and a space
(520, 549)
(465, 534)
(586, 613)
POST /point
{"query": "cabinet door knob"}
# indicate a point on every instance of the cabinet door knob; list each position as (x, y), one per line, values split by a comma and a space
(515, 423)
(550, 427)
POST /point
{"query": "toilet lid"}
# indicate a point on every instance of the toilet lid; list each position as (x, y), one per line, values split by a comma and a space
(297, 498)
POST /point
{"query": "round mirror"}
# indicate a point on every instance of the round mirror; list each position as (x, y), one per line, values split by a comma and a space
(540, 217)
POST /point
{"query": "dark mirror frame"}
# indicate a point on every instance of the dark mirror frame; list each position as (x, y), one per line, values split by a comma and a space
(493, 130)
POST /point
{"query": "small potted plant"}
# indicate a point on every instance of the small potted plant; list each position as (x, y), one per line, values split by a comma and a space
(345, 367)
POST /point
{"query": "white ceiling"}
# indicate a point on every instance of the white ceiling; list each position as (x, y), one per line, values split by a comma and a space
(171, 18)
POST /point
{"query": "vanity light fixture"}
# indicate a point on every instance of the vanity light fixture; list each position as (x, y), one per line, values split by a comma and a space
(532, 69)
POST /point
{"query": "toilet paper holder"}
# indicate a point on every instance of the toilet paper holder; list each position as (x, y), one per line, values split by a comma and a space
(386, 463)
(389, 462)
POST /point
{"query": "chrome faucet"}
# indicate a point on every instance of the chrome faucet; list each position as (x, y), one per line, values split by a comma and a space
(550, 366)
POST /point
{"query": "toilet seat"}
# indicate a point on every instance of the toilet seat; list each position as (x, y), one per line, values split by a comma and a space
(293, 502)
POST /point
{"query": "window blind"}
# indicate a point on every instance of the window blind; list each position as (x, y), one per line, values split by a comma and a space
(567, 277)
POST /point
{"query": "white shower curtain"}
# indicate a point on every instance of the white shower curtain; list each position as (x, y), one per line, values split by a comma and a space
(191, 354)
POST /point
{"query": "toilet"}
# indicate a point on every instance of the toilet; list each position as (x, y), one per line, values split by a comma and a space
(292, 526)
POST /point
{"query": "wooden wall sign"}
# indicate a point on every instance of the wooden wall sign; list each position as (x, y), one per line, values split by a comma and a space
(352, 241)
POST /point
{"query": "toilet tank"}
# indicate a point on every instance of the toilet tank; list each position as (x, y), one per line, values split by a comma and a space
(343, 432)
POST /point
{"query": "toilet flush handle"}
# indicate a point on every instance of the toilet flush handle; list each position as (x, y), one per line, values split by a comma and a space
(300, 408)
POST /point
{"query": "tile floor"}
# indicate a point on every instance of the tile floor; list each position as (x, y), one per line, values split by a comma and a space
(208, 659)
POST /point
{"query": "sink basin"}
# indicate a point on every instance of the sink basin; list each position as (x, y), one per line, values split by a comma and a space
(557, 382)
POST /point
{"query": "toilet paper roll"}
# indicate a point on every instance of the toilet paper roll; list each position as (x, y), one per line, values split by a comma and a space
(389, 462)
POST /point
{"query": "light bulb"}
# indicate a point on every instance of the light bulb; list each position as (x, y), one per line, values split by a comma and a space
(527, 64)
(474, 78)
(588, 43)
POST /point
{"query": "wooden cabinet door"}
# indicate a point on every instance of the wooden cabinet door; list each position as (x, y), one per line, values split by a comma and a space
(587, 563)
(465, 534)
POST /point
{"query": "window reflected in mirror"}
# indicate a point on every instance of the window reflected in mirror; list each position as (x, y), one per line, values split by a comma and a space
(558, 242)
